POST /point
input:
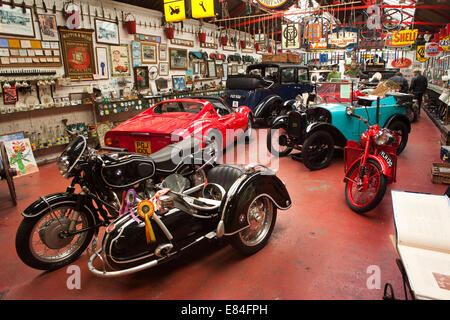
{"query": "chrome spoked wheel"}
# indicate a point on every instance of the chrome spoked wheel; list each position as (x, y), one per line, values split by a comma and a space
(261, 216)
(49, 240)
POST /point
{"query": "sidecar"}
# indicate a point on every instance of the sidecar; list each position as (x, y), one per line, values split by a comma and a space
(236, 202)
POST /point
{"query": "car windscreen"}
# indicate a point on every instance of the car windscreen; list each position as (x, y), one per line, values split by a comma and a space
(177, 106)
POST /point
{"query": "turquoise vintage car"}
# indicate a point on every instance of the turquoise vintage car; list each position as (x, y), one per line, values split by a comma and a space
(317, 130)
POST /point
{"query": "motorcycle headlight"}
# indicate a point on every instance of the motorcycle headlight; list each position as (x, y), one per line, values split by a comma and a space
(384, 138)
(63, 165)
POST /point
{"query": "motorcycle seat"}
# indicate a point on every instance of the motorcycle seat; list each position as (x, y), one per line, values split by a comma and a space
(169, 158)
(224, 175)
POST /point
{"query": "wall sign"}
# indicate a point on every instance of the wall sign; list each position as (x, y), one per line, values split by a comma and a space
(202, 8)
(174, 10)
(343, 38)
(401, 63)
(318, 45)
(275, 4)
(420, 54)
(290, 36)
(182, 42)
(78, 50)
(432, 49)
(404, 37)
(444, 43)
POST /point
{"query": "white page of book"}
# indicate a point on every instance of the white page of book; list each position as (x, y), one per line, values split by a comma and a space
(424, 269)
(422, 220)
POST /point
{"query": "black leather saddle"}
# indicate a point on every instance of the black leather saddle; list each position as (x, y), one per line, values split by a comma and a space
(224, 175)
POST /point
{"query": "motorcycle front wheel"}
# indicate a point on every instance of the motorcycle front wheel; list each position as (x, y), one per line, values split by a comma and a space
(42, 242)
(364, 196)
(261, 216)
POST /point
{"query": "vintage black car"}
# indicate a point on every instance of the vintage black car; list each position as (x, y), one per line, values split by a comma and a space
(265, 86)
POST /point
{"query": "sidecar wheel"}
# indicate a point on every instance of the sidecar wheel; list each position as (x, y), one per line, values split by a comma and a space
(261, 215)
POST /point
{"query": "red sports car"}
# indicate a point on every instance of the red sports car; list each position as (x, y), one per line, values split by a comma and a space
(170, 121)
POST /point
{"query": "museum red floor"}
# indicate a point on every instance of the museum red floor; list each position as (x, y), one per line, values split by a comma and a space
(319, 249)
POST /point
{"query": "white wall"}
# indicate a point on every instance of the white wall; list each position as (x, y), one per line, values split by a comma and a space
(37, 119)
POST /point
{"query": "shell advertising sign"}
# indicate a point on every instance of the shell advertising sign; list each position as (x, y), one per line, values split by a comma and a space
(404, 37)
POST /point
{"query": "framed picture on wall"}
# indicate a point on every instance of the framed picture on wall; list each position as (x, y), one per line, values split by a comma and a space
(106, 32)
(48, 27)
(149, 53)
(219, 71)
(163, 69)
(179, 83)
(212, 73)
(15, 21)
(141, 78)
(78, 51)
(203, 69)
(178, 59)
(195, 68)
(120, 61)
(102, 62)
(163, 52)
(10, 95)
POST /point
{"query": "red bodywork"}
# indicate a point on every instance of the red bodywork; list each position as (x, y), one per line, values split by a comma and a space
(167, 128)
(354, 152)
(332, 89)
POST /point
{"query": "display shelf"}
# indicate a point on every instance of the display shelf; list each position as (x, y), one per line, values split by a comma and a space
(32, 111)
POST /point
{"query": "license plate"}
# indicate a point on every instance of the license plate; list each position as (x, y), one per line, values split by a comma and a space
(387, 159)
(143, 147)
(235, 104)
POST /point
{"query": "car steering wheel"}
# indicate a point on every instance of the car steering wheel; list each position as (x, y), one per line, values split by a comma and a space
(325, 98)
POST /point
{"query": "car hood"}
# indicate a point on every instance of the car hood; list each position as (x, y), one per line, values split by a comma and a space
(165, 123)
(332, 106)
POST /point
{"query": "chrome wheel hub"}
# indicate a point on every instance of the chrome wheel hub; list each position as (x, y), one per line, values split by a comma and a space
(52, 231)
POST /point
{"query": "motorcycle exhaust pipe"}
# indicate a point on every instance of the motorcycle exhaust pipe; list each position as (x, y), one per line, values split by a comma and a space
(111, 274)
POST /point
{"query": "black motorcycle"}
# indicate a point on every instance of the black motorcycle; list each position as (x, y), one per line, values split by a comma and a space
(58, 227)
(235, 201)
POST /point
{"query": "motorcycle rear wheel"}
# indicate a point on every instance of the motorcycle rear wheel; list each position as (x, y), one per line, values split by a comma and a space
(377, 183)
(45, 232)
(261, 215)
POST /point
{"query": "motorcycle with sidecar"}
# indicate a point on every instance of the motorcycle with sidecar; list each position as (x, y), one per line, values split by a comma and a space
(234, 202)
(57, 228)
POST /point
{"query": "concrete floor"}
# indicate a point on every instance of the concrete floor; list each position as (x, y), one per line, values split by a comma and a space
(319, 249)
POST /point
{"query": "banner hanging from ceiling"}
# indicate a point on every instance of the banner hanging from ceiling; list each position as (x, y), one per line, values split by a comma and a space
(290, 36)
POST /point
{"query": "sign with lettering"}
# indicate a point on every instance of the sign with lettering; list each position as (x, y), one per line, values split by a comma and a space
(275, 4)
(401, 63)
(343, 38)
(404, 37)
(444, 43)
(432, 49)
(78, 51)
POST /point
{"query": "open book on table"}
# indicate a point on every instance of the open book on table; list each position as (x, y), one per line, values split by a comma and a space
(422, 223)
